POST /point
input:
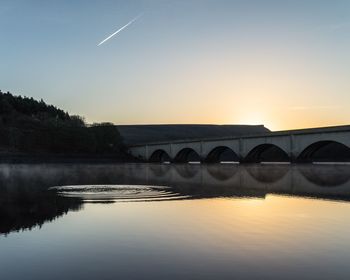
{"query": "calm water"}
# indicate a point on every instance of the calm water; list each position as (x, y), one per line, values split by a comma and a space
(174, 222)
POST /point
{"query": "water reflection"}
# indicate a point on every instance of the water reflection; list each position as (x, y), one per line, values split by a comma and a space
(266, 173)
(25, 210)
(25, 202)
(160, 170)
(187, 171)
(222, 172)
(326, 175)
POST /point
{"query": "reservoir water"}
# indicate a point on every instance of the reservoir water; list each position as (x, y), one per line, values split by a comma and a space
(165, 221)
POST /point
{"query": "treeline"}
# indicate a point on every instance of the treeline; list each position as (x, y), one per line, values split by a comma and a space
(28, 125)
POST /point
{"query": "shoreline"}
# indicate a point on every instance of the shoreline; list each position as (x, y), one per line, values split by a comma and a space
(65, 158)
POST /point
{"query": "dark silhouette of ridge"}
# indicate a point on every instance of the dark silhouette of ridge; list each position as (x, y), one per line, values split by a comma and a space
(143, 134)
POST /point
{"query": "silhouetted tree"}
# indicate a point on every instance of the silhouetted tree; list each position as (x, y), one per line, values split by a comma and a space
(28, 125)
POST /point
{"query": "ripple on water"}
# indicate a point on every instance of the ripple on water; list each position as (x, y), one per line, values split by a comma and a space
(118, 193)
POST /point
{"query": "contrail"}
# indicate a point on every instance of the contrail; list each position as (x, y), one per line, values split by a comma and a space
(120, 29)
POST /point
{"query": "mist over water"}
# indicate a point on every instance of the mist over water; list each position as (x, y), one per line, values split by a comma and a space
(189, 221)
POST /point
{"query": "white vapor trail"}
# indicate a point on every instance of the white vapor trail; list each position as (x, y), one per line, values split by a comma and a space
(120, 29)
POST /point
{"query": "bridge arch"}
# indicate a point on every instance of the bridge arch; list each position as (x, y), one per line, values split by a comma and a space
(222, 154)
(159, 156)
(325, 151)
(187, 155)
(267, 153)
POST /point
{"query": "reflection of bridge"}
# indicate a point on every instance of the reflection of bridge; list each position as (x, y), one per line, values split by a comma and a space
(24, 202)
(306, 145)
(204, 181)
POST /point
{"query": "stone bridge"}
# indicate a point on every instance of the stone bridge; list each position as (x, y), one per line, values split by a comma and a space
(326, 144)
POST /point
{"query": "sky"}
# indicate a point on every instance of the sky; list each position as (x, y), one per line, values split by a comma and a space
(284, 64)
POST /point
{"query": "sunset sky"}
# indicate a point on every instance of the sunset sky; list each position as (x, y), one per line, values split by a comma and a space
(284, 64)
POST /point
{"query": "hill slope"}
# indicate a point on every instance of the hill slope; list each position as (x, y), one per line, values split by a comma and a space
(142, 134)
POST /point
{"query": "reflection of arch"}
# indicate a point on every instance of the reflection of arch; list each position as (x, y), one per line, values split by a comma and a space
(325, 151)
(187, 155)
(326, 175)
(222, 172)
(159, 156)
(267, 173)
(267, 153)
(159, 170)
(187, 171)
(222, 154)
